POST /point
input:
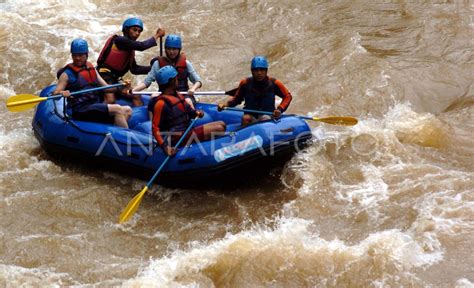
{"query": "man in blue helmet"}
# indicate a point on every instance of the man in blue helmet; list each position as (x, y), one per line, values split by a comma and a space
(80, 75)
(176, 58)
(172, 114)
(259, 93)
(118, 55)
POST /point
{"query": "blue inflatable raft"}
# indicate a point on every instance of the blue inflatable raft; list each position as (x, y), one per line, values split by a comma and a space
(242, 153)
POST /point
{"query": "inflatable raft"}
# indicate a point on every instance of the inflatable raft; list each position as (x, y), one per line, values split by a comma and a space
(240, 154)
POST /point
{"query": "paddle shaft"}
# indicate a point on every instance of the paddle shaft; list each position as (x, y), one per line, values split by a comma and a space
(40, 99)
(307, 117)
(94, 89)
(250, 111)
(199, 93)
(168, 157)
(335, 120)
(161, 46)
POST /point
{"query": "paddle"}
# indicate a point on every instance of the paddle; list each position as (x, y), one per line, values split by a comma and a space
(24, 102)
(231, 92)
(199, 93)
(135, 202)
(161, 46)
(334, 120)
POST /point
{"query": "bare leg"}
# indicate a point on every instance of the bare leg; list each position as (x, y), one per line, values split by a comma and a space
(137, 100)
(213, 128)
(264, 117)
(109, 98)
(247, 119)
(121, 114)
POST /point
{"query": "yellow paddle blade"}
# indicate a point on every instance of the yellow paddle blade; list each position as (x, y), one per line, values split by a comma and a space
(132, 206)
(23, 102)
(337, 120)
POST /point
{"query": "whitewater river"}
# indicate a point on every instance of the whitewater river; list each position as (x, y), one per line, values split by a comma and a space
(386, 203)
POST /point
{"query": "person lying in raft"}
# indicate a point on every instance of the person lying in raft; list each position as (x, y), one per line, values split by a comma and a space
(259, 92)
(172, 114)
(80, 75)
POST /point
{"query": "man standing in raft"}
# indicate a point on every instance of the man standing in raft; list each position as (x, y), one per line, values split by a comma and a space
(259, 92)
(118, 56)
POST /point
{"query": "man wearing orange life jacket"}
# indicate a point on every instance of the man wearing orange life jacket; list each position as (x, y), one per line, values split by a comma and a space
(80, 75)
(259, 93)
(172, 114)
(174, 57)
(118, 55)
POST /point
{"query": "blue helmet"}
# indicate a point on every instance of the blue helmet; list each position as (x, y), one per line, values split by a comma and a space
(173, 41)
(259, 62)
(165, 73)
(79, 46)
(130, 22)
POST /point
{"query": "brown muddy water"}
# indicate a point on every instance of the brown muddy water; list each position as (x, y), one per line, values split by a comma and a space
(386, 203)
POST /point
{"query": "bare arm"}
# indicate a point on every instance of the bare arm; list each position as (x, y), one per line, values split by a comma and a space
(100, 79)
(62, 83)
(193, 77)
(139, 87)
(196, 86)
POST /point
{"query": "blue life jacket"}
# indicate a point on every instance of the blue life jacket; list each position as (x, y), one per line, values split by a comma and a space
(178, 118)
(259, 95)
(80, 78)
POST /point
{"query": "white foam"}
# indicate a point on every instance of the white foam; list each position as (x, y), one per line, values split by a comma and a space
(6, 91)
(370, 192)
(464, 283)
(292, 238)
(16, 276)
(356, 48)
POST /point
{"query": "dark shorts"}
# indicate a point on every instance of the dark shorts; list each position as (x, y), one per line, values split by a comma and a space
(111, 78)
(108, 76)
(97, 112)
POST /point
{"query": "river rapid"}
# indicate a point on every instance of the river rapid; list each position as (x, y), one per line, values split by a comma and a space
(386, 203)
